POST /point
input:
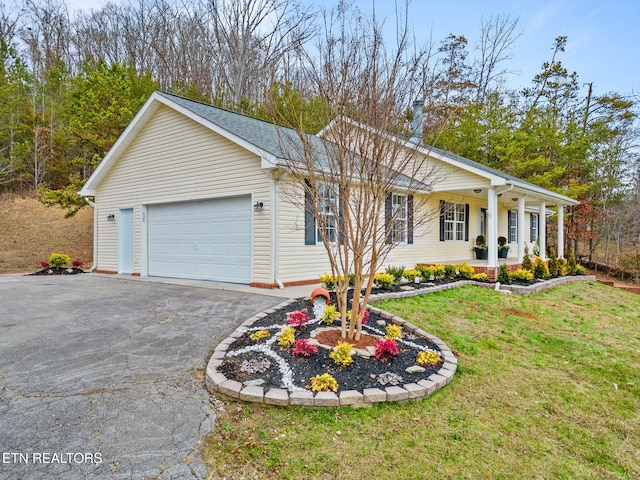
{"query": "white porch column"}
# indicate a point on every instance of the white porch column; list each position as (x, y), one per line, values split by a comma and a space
(543, 230)
(521, 229)
(560, 231)
(492, 227)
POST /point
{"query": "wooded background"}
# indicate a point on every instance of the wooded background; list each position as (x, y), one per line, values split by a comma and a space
(70, 84)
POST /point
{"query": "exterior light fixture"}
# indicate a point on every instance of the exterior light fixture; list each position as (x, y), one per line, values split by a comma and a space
(258, 207)
(477, 190)
(514, 199)
(111, 218)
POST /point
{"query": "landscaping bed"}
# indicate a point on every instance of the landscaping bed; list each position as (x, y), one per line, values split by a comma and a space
(260, 369)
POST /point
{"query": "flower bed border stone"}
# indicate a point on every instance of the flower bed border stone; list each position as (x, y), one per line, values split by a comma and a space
(218, 383)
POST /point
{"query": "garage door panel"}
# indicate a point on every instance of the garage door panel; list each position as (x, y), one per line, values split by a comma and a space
(208, 240)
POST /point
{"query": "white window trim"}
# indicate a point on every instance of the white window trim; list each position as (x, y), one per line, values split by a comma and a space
(456, 232)
(531, 226)
(399, 215)
(512, 224)
(327, 207)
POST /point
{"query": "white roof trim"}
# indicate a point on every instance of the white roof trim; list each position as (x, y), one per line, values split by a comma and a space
(140, 120)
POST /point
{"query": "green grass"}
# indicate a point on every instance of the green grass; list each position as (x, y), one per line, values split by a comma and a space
(548, 386)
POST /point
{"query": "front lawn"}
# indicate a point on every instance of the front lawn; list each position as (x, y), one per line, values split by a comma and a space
(548, 386)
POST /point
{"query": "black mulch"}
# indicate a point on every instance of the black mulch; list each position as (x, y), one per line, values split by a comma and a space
(59, 271)
(356, 376)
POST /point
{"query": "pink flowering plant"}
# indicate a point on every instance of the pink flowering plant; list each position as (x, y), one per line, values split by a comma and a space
(77, 263)
(386, 349)
(302, 348)
(299, 318)
(44, 264)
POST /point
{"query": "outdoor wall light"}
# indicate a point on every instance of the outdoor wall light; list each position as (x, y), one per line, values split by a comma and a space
(514, 199)
(258, 207)
(111, 218)
(477, 190)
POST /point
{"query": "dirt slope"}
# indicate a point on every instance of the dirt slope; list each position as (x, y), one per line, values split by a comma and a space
(30, 232)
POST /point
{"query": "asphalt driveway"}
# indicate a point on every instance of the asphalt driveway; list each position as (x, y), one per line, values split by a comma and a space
(98, 375)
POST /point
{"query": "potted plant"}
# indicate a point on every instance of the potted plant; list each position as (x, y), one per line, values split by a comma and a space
(503, 248)
(482, 252)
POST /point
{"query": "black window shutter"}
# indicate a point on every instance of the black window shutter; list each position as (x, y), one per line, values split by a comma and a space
(509, 225)
(387, 218)
(410, 219)
(466, 222)
(309, 219)
(442, 206)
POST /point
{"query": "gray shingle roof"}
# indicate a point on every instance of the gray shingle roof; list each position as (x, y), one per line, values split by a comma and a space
(265, 135)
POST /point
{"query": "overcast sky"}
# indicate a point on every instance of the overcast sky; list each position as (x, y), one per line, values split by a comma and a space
(603, 35)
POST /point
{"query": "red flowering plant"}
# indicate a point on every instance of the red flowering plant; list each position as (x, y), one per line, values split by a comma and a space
(386, 349)
(77, 263)
(299, 318)
(303, 348)
(44, 264)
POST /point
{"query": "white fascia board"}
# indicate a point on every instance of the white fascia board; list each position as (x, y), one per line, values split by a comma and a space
(140, 120)
(552, 197)
(220, 131)
(268, 161)
(121, 144)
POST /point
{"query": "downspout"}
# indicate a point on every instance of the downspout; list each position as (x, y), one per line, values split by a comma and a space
(276, 232)
(95, 234)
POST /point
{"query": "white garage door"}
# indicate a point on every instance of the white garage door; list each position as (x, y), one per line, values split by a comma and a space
(203, 240)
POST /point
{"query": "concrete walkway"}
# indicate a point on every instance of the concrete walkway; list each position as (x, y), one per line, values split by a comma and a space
(99, 373)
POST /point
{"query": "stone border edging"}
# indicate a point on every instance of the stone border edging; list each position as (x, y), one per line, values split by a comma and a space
(217, 382)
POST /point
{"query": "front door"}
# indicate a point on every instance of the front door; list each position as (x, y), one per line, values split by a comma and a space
(125, 241)
(482, 222)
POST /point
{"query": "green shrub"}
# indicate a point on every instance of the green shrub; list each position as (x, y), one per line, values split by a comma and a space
(479, 277)
(411, 275)
(330, 314)
(259, 335)
(352, 279)
(341, 354)
(464, 270)
(324, 383)
(562, 267)
(384, 280)
(504, 276)
(59, 260)
(540, 269)
(393, 331)
(553, 263)
(327, 281)
(426, 273)
(580, 270)
(522, 275)
(287, 337)
(439, 271)
(397, 272)
(428, 358)
(526, 260)
(571, 262)
(450, 271)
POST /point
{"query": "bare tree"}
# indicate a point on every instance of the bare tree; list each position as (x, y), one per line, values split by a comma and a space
(252, 36)
(498, 36)
(361, 180)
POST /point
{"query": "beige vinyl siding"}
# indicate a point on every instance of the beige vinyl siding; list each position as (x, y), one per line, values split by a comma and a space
(452, 178)
(301, 262)
(176, 159)
(297, 260)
